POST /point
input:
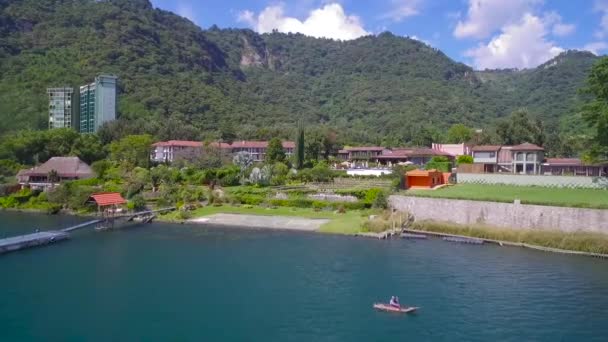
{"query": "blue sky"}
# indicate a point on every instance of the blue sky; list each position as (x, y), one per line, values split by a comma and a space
(480, 33)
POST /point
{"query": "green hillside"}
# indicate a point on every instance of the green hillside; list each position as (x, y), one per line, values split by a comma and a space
(180, 82)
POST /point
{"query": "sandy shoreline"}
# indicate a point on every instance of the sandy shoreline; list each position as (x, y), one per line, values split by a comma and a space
(265, 222)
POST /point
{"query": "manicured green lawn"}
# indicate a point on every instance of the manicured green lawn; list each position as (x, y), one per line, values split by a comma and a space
(347, 223)
(581, 198)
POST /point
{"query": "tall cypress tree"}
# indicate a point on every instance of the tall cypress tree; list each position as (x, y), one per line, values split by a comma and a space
(300, 147)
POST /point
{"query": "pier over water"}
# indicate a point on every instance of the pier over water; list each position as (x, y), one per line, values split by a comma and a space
(20, 242)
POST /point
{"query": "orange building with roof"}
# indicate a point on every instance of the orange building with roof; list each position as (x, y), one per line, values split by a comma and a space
(423, 179)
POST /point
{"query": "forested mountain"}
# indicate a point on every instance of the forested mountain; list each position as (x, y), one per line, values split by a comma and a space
(178, 81)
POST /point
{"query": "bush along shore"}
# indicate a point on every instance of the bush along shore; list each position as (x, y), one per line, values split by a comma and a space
(587, 242)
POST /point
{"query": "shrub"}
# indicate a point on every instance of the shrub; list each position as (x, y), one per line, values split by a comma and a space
(439, 163)
(320, 204)
(8, 202)
(137, 203)
(230, 179)
(381, 201)
(184, 215)
(249, 199)
(464, 160)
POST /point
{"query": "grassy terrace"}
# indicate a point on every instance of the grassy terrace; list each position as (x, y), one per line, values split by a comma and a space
(575, 241)
(580, 198)
(347, 223)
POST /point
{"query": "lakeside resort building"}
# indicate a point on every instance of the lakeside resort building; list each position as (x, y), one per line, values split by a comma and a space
(85, 108)
(98, 103)
(172, 150)
(53, 172)
(62, 109)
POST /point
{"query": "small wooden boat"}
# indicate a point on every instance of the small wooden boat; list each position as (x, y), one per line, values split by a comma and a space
(387, 307)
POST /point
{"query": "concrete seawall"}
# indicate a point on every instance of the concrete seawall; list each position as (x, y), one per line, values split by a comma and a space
(504, 215)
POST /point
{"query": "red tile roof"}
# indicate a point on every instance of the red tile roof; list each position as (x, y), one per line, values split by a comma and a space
(420, 173)
(487, 148)
(251, 144)
(527, 147)
(364, 148)
(106, 199)
(179, 143)
(564, 161)
(412, 152)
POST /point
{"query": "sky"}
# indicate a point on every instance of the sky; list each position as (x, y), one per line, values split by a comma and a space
(480, 33)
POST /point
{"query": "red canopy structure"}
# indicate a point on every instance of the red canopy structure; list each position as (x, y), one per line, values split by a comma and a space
(108, 199)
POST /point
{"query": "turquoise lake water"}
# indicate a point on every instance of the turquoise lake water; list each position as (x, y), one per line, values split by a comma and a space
(164, 282)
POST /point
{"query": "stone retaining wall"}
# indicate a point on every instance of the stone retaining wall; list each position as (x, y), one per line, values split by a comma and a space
(533, 180)
(504, 215)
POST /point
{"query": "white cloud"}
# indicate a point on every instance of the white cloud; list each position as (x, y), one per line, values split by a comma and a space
(484, 17)
(186, 11)
(520, 45)
(403, 9)
(559, 29)
(601, 6)
(247, 17)
(329, 21)
(562, 30)
(596, 47)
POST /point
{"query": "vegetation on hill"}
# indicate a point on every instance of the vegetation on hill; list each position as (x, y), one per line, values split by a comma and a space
(180, 82)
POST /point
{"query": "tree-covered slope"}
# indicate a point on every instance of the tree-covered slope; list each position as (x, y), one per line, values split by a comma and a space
(178, 81)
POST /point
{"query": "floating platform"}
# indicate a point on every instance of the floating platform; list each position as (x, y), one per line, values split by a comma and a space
(471, 241)
(31, 240)
(414, 236)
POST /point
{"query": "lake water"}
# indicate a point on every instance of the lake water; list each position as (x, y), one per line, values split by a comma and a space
(166, 282)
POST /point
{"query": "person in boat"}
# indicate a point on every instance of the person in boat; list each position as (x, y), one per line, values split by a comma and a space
(394, 302)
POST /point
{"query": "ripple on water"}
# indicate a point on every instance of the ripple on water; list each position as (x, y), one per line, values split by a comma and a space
(168, 282)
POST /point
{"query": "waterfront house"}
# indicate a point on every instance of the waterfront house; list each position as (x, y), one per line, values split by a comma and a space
(485, 158)
(526, 158)
(521, 159)
(411, 156)
(168, 151)
(360, 157)
(572, 167)
(257, 149)
(53, 172)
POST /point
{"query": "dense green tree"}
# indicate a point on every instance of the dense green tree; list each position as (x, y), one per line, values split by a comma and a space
(227, 132)
(275, 152)
(132, 150)
(101, 167)
(459, 133)
(519, 128)
(88, 148)
(313, 148)
(595, 112)
(299, 152)
(8, 168)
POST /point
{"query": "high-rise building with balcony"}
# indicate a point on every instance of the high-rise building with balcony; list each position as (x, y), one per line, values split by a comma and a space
(97, 103)
(61, 107)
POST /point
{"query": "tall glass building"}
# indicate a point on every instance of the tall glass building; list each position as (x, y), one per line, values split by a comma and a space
(60, 107)
(97, 103)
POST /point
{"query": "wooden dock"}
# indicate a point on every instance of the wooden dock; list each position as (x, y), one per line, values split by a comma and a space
(31, 240)
(414, 236)
(16, 243)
